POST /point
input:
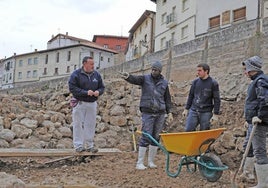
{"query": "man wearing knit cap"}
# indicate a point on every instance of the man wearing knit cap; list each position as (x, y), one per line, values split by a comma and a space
(256, 113)
(155, 102)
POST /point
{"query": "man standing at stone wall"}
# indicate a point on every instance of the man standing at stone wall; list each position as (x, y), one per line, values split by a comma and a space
(155, 103)
(203, 103)
(86, 85)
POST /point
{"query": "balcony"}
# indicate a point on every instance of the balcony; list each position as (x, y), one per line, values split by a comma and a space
(170, 20)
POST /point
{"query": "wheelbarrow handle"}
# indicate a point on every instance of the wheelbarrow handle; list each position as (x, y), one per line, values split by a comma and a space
(154, 141)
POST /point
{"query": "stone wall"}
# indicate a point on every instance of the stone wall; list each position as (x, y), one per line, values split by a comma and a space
(223, 50)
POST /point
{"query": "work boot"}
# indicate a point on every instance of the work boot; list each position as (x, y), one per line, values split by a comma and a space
(151, 156)
(262, 175)
(141, 155)
(248, 171)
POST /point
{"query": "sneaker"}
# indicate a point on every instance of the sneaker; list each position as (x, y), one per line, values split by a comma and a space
(79, 150)
(93, 150)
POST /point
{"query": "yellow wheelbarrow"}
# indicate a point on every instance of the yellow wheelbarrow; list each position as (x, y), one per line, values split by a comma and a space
(194, 146)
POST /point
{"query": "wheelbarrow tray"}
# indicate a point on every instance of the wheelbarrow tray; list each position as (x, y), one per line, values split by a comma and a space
(190, 143)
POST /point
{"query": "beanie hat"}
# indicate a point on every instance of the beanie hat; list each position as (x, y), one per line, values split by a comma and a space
(253, 64)
(157, 65)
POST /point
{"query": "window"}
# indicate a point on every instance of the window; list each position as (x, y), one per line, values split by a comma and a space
(92, 54)
(172, 38)
(28, 74)
(34, 73)
(46, 59)
(225, 18)
(101, 58)
(108, 59)
(56, 71)
(185, 5)
(118, 47)
(145, 38)
(68, 69)
(8, 66)
(170, 18)
(163, 18)
(105, 45)
(58, 57)
(45, 71)
(69, 56)
(35, 60)
(29, 61)
(135, 50)
(10, 76)
(20, 63)
(74, 67)
(163, 43)
(20, 75)
(239, 14)
(214, 22)
(184, 32)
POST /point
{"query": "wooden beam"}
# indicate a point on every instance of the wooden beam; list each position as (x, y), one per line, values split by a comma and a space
(15, 152)
(65, 186)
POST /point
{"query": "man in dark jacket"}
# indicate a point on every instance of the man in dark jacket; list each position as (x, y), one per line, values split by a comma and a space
(154, 104)
(203, 98)
(256, 113)
(86, 85)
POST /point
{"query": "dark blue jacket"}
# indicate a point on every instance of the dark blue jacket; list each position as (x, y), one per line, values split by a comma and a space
(256, 101)
(204, 96)
(80, 82)
(155, 97)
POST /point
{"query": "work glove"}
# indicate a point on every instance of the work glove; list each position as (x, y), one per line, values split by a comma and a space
(185, 113)
(169, 118)
(246, 125)
(124, 75)
(256, 120)
(214, 119)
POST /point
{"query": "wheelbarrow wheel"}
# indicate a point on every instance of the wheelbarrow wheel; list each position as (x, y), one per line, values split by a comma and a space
(212, 160)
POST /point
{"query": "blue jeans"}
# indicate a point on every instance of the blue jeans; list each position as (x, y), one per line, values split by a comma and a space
(194, 118)
(153, 125)
(250, 152)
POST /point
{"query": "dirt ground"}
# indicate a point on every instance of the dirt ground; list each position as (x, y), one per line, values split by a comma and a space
(113, 170)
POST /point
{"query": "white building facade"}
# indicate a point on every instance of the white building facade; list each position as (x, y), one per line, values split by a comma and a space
(141, 36)
(53, 63)
(179, 21)
(175, 22)
(218, 14)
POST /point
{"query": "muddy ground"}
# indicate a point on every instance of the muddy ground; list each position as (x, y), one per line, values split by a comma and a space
(114, 170)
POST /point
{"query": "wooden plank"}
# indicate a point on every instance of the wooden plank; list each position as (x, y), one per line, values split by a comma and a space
(57, 186)
(59, 159)
(15, 152)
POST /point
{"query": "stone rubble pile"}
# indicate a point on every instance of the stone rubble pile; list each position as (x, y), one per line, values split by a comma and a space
(43, 119)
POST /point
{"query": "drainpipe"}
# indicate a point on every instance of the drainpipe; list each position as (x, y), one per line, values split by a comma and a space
(259, 16)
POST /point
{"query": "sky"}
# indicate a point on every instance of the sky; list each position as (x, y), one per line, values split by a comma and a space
(26, 25)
